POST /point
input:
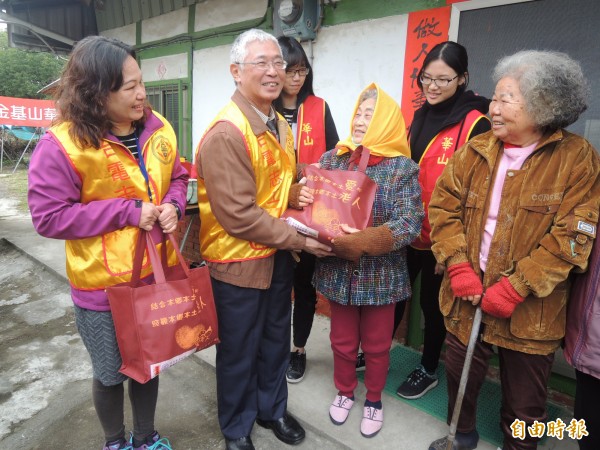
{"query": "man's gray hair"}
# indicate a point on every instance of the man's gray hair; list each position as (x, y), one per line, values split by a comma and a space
(552, 84)
(239, 49)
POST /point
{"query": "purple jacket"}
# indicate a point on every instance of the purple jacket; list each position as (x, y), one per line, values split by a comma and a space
(56, 211)
(582, 339)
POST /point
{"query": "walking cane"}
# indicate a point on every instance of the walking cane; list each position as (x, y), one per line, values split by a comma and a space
(464, 377)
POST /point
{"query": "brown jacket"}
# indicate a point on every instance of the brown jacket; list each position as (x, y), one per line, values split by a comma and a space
(546, 225)
(226, 167)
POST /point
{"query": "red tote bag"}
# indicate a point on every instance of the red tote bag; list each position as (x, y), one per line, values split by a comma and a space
(160, 324)
(340, 197)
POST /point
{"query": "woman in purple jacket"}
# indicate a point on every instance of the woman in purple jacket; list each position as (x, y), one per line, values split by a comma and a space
(106, 168)
(582, 348)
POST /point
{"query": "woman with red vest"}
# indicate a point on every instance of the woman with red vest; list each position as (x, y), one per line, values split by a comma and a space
(107, 167)
(450, 116)
(314, 133)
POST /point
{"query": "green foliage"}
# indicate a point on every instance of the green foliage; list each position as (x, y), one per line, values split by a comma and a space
(23, 73)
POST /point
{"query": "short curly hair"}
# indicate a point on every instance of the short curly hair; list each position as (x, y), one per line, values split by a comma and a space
(552, 84)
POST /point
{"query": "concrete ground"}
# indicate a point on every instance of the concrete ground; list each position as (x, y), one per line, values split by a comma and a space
(45, 374)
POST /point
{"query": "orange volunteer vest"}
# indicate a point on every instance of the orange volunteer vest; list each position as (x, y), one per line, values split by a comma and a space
(112, 172)
(276, 167)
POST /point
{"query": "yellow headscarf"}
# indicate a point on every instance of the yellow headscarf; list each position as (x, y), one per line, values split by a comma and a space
(386, 134)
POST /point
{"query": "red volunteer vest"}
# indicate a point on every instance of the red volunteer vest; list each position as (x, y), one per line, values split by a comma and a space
(311, 130)
(434, 161)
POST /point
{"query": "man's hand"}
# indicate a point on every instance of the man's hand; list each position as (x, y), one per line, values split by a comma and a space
(306, 196)
(149, 215)
(316, 248)
(168, 217)
(300, 195)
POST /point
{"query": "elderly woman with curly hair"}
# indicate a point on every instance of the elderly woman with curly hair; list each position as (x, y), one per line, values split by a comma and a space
(513, 213)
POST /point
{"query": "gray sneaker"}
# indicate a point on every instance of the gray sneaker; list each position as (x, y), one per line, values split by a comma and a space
(417, 384)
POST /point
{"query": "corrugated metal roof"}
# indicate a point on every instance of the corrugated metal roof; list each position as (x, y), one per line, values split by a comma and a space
(72, 19)
(75, 19)
(114, 14)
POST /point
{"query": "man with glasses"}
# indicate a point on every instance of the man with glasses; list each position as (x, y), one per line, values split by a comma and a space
(246, 167)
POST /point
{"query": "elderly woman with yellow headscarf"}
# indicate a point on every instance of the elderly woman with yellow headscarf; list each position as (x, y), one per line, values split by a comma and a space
(369, 276)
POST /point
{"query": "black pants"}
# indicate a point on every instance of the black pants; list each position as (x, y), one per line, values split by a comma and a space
(424, 262)
(305, 299)
(109, 404)
(252, 358)
(587, 407)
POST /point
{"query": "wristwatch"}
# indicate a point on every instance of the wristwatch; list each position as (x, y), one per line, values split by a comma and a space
(174, 203)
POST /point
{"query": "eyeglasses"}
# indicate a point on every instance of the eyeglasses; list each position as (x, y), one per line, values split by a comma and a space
(278, 64)
(440, 82)
(303, 71)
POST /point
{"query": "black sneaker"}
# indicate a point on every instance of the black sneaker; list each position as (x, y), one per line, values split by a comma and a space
(417, 384)
(297, 367)
(360, 362)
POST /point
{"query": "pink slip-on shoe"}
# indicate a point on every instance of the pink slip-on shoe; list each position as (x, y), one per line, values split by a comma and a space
(372, 421)
(340, 408)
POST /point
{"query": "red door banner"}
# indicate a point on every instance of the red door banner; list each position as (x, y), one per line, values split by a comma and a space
(26, 112)
(425, 30)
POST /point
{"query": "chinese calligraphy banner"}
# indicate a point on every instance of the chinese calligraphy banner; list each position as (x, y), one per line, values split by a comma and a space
(425, 30)
(26, 112)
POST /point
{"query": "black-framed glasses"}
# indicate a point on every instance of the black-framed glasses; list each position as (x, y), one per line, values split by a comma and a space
(278, 64)
(302, 71)
(439, 82)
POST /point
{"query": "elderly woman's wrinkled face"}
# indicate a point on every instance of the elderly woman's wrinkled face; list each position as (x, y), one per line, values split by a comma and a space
(510, 121)
(362, 119)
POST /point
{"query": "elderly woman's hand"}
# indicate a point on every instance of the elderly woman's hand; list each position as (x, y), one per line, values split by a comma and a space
(465, 283)
(439, 269)
(501, 299)
(372, 241)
